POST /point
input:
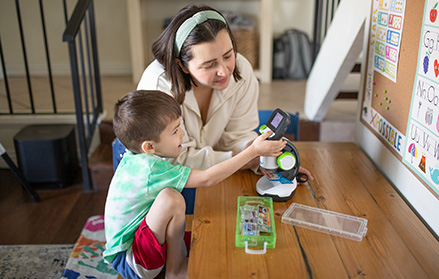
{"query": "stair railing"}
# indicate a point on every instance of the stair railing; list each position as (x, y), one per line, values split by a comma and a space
(28, 106)
(80, 35)
(324, 11)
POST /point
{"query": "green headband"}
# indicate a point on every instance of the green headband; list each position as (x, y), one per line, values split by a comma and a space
(189, 24)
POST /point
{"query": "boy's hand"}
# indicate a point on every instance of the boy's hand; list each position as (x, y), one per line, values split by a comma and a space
(264, 147)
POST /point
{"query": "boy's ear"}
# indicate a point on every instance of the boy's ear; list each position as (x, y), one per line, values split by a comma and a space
(148, 147)
(183, 68)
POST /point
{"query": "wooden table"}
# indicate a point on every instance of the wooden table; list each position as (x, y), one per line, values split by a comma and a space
(397, 243)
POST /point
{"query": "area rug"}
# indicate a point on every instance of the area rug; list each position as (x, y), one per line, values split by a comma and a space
(85, 261)
(33, 261)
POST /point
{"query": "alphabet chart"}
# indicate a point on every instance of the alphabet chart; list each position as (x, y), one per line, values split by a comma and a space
(387, 23)
(421, 150)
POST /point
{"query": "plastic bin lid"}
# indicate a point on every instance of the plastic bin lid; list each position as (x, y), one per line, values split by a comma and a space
(326, 221)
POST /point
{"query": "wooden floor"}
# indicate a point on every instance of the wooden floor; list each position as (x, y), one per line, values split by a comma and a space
(57, 219)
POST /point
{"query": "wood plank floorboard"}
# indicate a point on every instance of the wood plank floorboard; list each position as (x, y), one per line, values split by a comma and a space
(57, 219)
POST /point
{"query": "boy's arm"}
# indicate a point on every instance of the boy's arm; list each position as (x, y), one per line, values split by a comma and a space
(217, 173)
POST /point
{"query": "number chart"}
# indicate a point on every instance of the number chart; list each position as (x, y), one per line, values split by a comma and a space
(387, 23)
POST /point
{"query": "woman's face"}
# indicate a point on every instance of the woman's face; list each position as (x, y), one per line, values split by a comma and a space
(213, 62)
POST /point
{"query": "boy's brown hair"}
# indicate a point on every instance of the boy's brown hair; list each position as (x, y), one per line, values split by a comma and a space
(143, 115)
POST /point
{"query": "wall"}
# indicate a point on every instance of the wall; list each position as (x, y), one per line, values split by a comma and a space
(112, 29)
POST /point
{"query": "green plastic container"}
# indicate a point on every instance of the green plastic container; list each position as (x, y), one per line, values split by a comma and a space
(255, 226)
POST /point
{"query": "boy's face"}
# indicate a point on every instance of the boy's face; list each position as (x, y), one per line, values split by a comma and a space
(171, 139)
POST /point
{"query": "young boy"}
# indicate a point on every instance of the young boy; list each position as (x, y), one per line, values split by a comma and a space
(144, 211)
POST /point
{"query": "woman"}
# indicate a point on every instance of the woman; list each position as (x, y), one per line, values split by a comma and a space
(197, 62)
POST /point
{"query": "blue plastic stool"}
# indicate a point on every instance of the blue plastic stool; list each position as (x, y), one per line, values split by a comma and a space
(188, 193)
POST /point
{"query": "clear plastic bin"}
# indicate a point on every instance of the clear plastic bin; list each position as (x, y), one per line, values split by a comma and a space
(326, 221)
(255, 224)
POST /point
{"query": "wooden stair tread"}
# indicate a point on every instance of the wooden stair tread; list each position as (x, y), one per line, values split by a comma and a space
(106, 131)
(101, 167)
(102, 157)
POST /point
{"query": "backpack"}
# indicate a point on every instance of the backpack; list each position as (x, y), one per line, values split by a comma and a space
(292, 58)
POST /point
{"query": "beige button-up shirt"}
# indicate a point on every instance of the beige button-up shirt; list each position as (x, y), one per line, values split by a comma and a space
(231, 119)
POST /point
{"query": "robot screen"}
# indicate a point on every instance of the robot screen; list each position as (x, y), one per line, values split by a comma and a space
(276, 120)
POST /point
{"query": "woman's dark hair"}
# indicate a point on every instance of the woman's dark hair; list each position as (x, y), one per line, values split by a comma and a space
(164, 48)
(143, 115)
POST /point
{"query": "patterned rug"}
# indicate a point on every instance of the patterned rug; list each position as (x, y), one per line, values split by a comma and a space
(83, 260)
(86, 260)
(33, 261)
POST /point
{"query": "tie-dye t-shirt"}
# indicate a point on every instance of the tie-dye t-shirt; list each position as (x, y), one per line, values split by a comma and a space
(138, 180)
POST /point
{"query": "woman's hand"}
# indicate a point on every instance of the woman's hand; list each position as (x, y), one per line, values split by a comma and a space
(255, 162)
(307, 172)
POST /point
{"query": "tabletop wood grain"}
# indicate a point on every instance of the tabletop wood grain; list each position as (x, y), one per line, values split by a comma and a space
(397, 243)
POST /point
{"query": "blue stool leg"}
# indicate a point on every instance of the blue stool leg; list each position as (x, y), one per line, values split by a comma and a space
(118, 151)
(189, 197)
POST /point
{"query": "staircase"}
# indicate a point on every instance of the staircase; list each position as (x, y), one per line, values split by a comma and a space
(350, 88)
(336, 58)
(101, 161)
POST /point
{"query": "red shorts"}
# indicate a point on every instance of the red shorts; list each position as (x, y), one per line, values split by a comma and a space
(146, 258)
(147, 251)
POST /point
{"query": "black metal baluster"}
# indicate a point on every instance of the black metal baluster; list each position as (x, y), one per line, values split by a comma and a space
(73, 36)
(79, 119)
(317, 28)
(26, 64)
(94, 47)
(5, 76)
(84, 82)
(66, 17)
(90, 76)
(49, 68)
